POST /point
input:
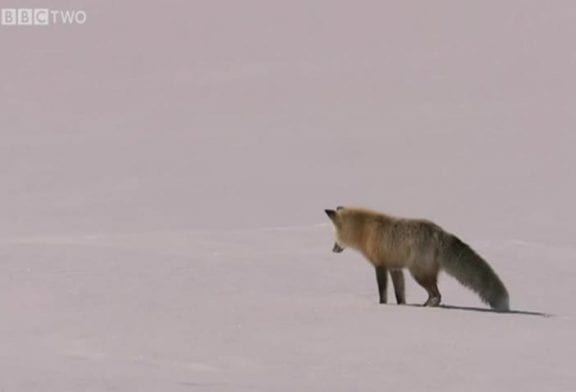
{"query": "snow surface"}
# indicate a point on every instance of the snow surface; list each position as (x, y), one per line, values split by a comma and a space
(165, 169)
(269, 309)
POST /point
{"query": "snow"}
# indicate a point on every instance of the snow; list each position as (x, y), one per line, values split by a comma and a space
(269, 309)
(165, 174)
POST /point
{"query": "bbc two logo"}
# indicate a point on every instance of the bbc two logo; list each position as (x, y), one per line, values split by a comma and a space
(41, 17)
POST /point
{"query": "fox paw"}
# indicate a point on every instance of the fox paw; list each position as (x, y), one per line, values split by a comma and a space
(432, 301)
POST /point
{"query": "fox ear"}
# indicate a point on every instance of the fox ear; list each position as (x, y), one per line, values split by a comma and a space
(331, 214)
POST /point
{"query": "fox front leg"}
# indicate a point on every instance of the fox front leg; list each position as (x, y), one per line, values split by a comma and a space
(382, 279)
(397, 281)
(399, 287)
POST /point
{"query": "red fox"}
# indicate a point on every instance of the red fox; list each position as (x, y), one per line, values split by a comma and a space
(392, 243)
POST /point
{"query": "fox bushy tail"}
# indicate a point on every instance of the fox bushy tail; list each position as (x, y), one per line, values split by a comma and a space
(463, 263)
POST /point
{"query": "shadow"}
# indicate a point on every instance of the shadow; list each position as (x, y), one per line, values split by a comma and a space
(486, 310)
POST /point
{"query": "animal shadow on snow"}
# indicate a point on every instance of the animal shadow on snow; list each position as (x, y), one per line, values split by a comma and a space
(486, 310)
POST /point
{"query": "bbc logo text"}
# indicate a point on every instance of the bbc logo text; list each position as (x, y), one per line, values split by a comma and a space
(40, 17)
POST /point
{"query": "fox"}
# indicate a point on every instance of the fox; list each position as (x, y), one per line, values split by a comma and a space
(392, 244)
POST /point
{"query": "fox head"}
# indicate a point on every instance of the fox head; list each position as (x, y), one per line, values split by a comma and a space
(338, 221)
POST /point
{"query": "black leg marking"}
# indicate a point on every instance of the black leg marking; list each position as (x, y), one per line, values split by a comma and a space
(399, 286)
(382, 278)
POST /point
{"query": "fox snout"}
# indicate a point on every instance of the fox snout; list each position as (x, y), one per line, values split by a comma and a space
(337, 248)
(333, 215)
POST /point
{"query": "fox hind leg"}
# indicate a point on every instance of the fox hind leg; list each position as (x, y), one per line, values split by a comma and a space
(429, 282)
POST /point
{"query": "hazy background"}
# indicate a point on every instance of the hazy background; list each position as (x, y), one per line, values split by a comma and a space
(233, 114)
